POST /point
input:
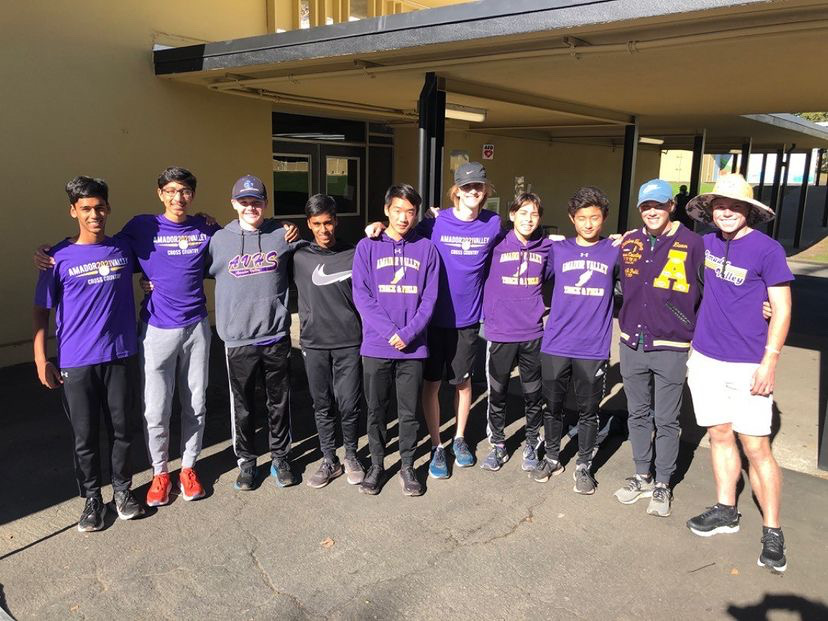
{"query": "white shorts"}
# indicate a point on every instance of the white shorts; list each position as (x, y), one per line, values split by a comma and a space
(721, 394)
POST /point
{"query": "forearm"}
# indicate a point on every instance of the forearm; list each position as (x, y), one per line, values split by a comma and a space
(40, 325)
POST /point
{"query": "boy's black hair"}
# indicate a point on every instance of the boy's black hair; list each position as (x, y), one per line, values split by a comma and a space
(588, 196)
(526, 197)
(319, 204)
(179, 175)
(87, 187)
(404, 191)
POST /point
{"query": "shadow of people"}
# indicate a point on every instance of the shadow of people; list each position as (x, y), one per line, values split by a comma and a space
(807, 610)
(5, 613)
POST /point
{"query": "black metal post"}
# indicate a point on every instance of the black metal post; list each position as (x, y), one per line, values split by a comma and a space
(762, 176)
(733, 162)
(432, 111)
(820, 155)
(696, 166)
(627, 174)
(803, 198)
(780, 199)
(745, 163)
(777, 180)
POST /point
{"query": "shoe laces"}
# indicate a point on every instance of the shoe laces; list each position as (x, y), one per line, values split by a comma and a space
(158, 483)
(408, 473)
(529, 452)
(773, 541)
(190, 476)
(582, 472)
(661, 493)
(633, 484)
(373, 471)
(93, 503)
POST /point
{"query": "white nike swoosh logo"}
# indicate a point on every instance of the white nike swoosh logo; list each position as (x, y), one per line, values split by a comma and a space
(320, 278)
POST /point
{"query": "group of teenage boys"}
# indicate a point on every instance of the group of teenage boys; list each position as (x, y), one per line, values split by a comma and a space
(402, 310)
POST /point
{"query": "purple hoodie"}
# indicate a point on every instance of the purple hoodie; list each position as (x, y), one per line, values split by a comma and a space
(513, 305)
(395, 288)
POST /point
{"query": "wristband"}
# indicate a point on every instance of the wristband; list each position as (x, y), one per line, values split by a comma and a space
(772, 350)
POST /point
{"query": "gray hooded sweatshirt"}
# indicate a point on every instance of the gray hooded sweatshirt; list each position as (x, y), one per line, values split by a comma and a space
(251, 272)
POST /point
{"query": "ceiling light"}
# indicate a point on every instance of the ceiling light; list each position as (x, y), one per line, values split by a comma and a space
(465, 113)
(645, 140)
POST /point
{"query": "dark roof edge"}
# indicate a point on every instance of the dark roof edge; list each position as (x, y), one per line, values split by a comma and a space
(791, 122)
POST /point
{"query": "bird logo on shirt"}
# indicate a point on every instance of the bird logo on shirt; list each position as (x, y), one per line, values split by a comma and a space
(524, 265)
(584, 278)
(398, 275)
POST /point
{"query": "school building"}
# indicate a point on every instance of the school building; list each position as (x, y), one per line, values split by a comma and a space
(348, 96)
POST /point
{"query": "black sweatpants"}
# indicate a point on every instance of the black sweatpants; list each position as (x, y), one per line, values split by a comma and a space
(109, 389)
(500, 360)
(380, 374)
(334, 378)
(245, 366)
(588, 381)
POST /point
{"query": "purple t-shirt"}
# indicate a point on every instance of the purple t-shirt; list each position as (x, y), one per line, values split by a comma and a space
(730, 326)
(580, 315)
(172, 256)
(90, 286)
(464, 249)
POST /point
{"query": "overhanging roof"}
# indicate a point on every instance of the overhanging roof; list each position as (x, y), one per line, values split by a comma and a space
(567, 69)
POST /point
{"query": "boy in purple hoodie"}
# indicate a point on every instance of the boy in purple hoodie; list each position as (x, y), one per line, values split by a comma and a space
(513, 312)
(395, 280)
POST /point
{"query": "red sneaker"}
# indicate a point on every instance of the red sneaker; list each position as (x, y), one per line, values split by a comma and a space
(190, 486)
(159, 491)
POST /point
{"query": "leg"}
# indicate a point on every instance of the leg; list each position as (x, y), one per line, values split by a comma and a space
(347, 388)
(319, 369)
(462, 404)
(555, 374)
(120, 381)
(194, 365)
(765, 476)
(635, 372)
(433, 372)
(377, 374)
(276, 369)
(727, 463)
(82, 404)
(461, 359)
(408, 377)
(242, 371)
(669, 370)
(588, 380)
(500, 358)
(159, 352)
(431, 410)
(529, 367)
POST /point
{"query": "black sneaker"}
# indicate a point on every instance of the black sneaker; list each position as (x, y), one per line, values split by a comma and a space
(715, 520)
(546, 468)
(372, 483)
(92, 518)
(246, 480)
(409, 483)
(773, 550)
(126, 505)
(584, 482)
(327, 472)
(281, 471)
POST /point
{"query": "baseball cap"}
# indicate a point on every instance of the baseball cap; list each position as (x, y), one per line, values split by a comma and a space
(249, 186)
(470, 172)
(656, 190)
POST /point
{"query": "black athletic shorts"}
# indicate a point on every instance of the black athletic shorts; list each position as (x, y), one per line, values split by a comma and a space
(451, 353)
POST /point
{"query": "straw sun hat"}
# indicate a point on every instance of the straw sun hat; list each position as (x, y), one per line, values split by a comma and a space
(729, 186)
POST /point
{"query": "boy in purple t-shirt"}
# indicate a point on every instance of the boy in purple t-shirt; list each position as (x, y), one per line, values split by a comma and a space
(90, 288)
(731, 372)
(576, 341)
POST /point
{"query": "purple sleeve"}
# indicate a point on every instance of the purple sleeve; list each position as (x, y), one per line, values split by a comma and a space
(371, 311)
(431, 281)
(46, 294)
(775, 270)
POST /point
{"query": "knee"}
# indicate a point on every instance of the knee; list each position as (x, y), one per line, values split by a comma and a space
(756, 449)
(721, 435)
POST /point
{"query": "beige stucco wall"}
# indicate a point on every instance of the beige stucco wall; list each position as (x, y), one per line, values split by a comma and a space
(79, 96)
(554, 169)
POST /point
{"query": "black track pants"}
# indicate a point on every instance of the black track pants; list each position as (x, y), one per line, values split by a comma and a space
(500, 360)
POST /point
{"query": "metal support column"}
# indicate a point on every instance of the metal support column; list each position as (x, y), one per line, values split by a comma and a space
(762, 176)
(746, 147)
(803, 198)
(432, 111)
(734, 160)
(696, 166)
(777, 180)
(820, 156)
(780, 198)
(627, 174)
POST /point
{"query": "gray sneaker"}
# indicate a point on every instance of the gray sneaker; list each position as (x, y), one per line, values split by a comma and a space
(327, 472)
(546, 468)
(634, 488)
(354, 470)
(584, 483)
(495, 459)
(530, 456)
(661, 501)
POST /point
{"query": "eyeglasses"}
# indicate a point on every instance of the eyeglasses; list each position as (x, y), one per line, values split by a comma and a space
(473, 187)
(185, 193)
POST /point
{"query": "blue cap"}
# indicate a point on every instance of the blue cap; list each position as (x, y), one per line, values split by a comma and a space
(249, 186)
(656, 190)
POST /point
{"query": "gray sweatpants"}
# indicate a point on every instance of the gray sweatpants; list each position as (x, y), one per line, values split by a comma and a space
(169, 355)
(653, 383)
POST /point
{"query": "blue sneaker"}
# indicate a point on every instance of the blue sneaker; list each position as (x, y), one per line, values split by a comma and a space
(438, 469)
(462, 455)
(495, 459)
(282, 473)
(530, 457)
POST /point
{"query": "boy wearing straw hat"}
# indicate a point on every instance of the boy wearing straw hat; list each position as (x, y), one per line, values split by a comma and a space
(731, 372)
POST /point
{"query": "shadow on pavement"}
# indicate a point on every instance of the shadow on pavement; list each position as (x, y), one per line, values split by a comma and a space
(807, 609)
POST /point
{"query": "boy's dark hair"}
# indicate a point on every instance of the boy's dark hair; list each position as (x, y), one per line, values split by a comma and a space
(588, 196)
(87, 187)
(404, 191)
(179, 175)
(319, 204)
(526, 197)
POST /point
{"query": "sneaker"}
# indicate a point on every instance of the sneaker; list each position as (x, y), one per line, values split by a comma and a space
(584, 482)
(281, 471)
(495, 459)
(545, 469)
(635, 488)
(660, 503)
(126, 505)
(92, 517)
(372, 482)
(246, 480)
(190, 485)
(462, 455)
(159, 492)
(715, 520)
(327, 472)
(409, 483)
(354, 470)
(773, 550)
(437, 468)
(530, 457)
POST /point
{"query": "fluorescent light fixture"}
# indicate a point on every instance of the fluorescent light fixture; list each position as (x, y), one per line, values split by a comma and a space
(645, 140)
(465, 113)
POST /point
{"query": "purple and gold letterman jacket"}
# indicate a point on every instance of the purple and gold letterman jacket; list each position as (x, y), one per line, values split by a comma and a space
(661, 288)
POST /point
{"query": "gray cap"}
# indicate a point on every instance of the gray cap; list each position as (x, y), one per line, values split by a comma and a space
(470, 172)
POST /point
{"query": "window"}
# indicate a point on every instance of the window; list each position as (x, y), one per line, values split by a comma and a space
(342, 182)
(291, 183)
